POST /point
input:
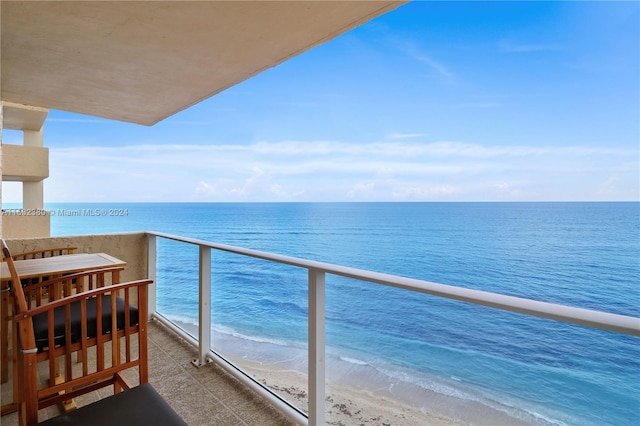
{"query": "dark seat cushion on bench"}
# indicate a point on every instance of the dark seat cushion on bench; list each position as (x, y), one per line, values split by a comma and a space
(138, 406)
(41, 328)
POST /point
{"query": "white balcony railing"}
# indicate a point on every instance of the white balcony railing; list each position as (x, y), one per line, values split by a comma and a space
(317, 272)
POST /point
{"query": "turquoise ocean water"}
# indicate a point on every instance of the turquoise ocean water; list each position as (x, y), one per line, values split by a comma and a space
(580, 254)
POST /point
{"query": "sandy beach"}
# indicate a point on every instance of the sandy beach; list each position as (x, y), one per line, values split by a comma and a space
(361, 395)
(345, 405)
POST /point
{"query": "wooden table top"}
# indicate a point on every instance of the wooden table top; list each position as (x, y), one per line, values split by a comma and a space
(64, 264)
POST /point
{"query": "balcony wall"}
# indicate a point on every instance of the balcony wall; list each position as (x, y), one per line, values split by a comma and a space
(16, 226)
(130, 247)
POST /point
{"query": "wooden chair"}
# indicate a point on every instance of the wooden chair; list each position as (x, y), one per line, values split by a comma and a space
(6, 309)
(138, 406)
(35, 254)
(39, 292)
(98, 320)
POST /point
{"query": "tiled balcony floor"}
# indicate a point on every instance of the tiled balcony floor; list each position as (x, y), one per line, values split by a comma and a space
(201, 396)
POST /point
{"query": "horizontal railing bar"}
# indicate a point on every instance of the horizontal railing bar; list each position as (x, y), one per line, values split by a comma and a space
(569, 314)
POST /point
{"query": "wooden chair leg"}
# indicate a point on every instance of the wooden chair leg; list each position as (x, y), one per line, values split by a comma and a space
(13, 405)
(14, 363)
(28, 388)
(69, 404)
(4, 327)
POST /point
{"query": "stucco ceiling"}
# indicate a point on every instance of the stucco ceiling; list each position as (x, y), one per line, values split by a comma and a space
(142, 61)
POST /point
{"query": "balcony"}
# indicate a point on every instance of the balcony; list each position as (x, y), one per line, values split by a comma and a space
(206, 395)
(207, 383)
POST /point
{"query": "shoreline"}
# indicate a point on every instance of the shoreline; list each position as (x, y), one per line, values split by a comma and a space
(344, 405)
(358, 394)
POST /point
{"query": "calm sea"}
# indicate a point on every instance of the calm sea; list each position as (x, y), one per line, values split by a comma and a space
(580, 254)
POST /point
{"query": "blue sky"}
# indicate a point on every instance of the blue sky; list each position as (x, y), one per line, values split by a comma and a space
(435, 101)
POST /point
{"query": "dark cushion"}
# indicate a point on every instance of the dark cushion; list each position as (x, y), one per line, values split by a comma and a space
(140, 405)
(41, 327)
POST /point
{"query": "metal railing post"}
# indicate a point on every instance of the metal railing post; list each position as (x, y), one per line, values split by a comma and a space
(204, 307)
(152, 262)
(316, 347)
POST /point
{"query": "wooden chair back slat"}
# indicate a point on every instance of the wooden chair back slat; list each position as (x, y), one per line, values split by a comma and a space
(39, 254)
(127, 320)
(83, 338)
(143, 354)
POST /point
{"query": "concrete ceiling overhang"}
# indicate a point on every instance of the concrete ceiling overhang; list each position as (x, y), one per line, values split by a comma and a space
(141, 61)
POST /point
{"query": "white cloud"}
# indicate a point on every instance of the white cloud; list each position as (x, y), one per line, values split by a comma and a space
(609, 186)
(426, 192)
(258, 186)
(412, 50)
(337, 171)
(615, 187)
(361, 190)
(508, 191)
(404, 135)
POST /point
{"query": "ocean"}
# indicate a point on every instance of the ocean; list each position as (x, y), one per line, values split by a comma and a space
(539, 371)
